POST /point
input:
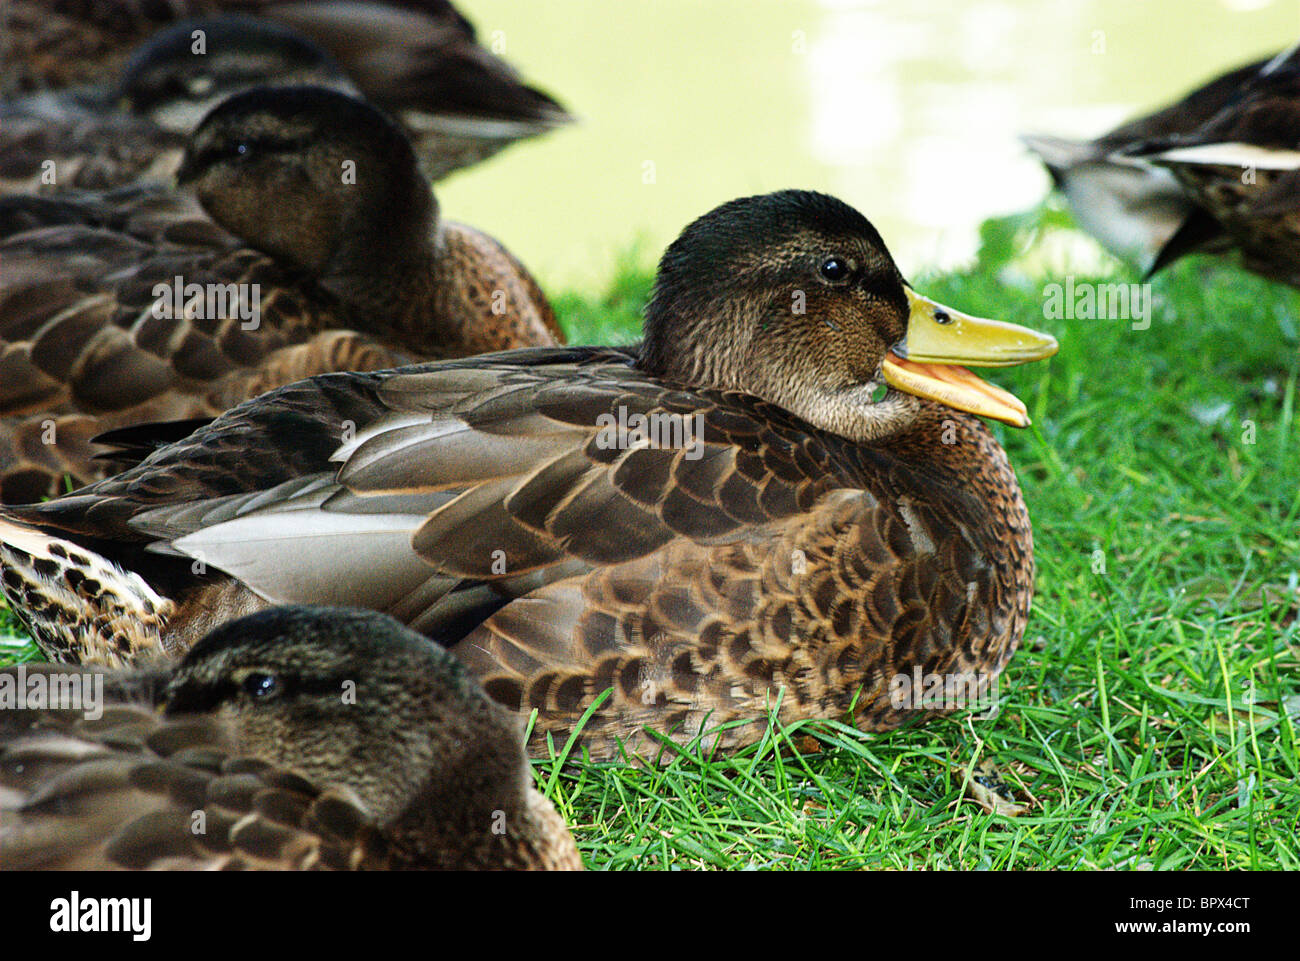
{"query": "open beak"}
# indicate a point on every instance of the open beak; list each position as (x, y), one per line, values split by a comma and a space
(939, 339)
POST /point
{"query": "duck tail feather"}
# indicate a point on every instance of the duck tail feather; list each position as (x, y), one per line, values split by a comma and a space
(79, 606)
(1197, 231)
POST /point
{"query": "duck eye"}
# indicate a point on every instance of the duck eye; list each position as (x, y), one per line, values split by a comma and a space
(942, 317)
(242, 148)
(834, 269)
(260, 686)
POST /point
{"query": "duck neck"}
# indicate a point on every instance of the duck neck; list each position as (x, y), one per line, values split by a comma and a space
(470, 821)
(382, 267)
(383, 283)
(955, 458)
(961, 445)
(449, 292)
(485, 300)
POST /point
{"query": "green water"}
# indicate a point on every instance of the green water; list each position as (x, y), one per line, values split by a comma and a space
(908, 110)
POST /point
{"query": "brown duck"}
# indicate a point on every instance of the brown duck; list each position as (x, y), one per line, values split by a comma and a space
(784, 487)
(1241, 168)
(1215, 172)
(135, 130)
(418, 59)
(135, 306)
(1134, 209)
(293, 739)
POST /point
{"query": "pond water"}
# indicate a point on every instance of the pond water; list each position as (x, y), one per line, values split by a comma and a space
(908, 110)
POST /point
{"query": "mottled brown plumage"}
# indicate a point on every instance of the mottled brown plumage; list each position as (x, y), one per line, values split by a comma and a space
(294, 739)
(418, 59)
(323, 210)
(1241, 168)
(1215, 172)
(804, 536)
(87, 151)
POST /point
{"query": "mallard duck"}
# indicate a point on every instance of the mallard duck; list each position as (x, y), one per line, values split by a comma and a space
(100, 137)
(1135, 209)
(418, 59)
(1241, 168)
(335, 260)
(294, 739)
(726, 510)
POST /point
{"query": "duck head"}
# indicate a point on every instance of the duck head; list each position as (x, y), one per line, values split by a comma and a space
(314, 177)
(185, 70)
(350, 697)
(793, 297)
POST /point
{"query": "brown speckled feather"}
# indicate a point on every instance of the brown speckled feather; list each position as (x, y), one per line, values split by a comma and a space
(1137, 210)
(88, 152)
(82, 351)
(131, 791)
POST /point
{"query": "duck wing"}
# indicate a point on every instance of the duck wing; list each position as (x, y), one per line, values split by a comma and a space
(88, 316)
(503, 472)
(97, 330)
(40, 154)
(508, 501)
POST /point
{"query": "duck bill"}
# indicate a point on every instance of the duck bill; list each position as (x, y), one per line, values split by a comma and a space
(930, 361)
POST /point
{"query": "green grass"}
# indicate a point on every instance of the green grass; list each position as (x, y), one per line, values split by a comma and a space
(1150, 720)
(15, 646)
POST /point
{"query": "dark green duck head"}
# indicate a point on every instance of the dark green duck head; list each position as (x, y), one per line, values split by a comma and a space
(793, 297)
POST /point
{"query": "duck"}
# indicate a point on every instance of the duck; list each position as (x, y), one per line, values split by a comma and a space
(1135, 208)
(1241, 169)
(298, 738)
(783, 498)
(99, 137)
(306, 240)
(420, 60)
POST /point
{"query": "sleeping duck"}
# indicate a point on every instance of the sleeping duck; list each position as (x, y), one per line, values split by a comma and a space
(420, 60)
(100, 137)
(785, 487)
(1138, 208)
(297, 738)
(321, 249)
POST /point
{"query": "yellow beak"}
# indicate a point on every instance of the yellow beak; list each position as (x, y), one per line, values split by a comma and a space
(938, 339)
